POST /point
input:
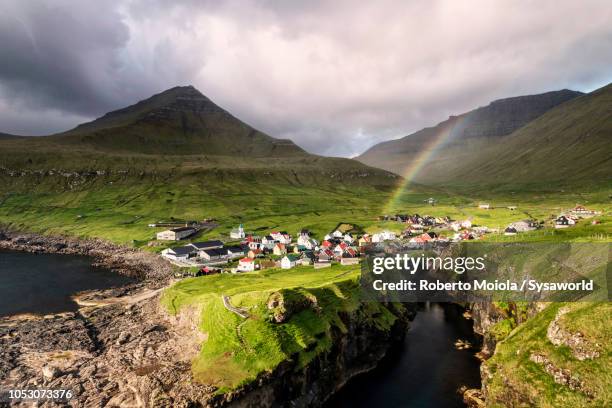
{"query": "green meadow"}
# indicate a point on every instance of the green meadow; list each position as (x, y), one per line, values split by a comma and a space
(120, 209)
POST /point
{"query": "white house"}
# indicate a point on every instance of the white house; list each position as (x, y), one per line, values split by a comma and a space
(235, 251)
(524, 226)
(484, 206)
(281, 237)
(481, 230)
(178, 253)
(339, 249)
(175, 234)
(337, 234)
(306, 241)
(311, 244)
(237, 233)
(268, 242)
(564, 222)
(580, 210)
(383, 236)
(348, 238)
(455, 226)
(289, 261)
(246, 265)
(215, 254)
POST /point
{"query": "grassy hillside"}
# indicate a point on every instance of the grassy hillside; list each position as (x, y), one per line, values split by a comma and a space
(461, 136)
(238, 349)
(119, 206)
(178, 155)
(569, 143)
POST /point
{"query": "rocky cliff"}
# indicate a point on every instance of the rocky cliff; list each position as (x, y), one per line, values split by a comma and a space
(128, 352)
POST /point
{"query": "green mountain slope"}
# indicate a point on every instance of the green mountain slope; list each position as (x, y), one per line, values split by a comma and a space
(178, 155)
(570, 143)
(459, 138)
(178, 130)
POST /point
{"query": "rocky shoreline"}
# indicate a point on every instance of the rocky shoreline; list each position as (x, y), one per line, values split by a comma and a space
(119, 349)
(120, 259)
(122, 349)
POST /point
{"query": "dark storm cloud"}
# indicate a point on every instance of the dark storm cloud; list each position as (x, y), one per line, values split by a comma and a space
(60, 55)
(336, 77)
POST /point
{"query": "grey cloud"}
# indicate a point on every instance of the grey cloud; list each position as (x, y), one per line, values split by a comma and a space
(59, 55)
(336, 77)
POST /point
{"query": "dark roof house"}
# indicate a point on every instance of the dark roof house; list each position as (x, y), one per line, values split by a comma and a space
(182, 250)
(207, 245)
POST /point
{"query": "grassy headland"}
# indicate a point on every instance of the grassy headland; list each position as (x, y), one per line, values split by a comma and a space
(311, 304)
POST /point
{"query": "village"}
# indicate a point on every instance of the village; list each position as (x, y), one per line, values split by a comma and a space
(248, 252)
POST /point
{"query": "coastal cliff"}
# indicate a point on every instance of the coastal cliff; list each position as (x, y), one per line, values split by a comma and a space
(134, 353)
(122, 347)
(355, 351)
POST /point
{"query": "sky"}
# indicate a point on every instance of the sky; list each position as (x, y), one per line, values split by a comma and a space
(336, 77)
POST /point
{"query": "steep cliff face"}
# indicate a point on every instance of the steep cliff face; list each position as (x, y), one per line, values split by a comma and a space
(504, 116)
(547, 354)
(355, 351)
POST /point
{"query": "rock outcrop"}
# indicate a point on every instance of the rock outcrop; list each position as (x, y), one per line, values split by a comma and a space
(559, 335)
(121, 354)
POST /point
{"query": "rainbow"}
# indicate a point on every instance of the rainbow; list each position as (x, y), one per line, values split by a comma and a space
(439, 139)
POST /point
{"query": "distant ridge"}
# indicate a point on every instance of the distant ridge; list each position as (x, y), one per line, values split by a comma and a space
(482, 125)
(8, 136)
(569, 144)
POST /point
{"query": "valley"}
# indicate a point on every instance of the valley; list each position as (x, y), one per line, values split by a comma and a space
(95, 190)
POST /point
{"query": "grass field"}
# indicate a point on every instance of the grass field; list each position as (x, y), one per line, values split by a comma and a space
(120, 209)
(238, 349)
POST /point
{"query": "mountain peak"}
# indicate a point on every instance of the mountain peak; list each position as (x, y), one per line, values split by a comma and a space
(179, 120)
(156, 108)
(181, 90)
